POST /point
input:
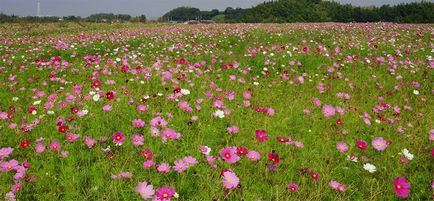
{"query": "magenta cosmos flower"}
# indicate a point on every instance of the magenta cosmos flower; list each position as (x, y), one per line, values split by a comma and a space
(164, 193)
(118, 137)
(328, 110)
(293, 187)
(401, 187)
(361, 145)
(229, 154)
(379, 143)
(54, 146)
(146, 191)
(230, 180)
(261, 135)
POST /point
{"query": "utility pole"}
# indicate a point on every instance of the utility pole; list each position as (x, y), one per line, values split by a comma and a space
(38, 9)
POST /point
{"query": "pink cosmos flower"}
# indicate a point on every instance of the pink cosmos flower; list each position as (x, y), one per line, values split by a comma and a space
(379, 143)
(180, 166)
(146, 191)
(229, 155)
(39, 148)
(190, 160)
(164, 193)
(138, 123)
(107, 108)
(233, 129)
(293, 187)
(253, 156)
(342, 147)
(89, 141)
(137, 140)
(328, 110)
(163, 168)
(401, 187)
(230, 180)
(205, 150)
(7, 166)
(71, 137)
(170, 134)
(148, 164)
(142, 108)
(261, 135)
(118, 137)
(5, 152)
(158, 121)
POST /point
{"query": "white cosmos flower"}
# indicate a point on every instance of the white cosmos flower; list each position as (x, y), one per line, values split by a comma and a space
(50, 112)
(185, 91)
(407, 154)
(415, 92)
(219, 113)
(96, 97)
(37, 102)
(369, 167)
(15, 98)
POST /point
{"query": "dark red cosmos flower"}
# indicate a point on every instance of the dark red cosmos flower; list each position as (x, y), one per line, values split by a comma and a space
(224, 171)
(74, 110)
(144, 100)
(12, 108)
(361, 145)
(303, 170)
(31, 109)
(242, 151)
(96, 83)
(182, 61)
(389, 142)
(339, 122)
(110, 95)
(70, 118)
(147, 153)
(274, 158)
(63, 129)
(314, 175)
(24, 144)
(177, 90)
(282, 139)
(11, 115)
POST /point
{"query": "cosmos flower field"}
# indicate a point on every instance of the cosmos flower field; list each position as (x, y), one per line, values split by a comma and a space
(217, 112)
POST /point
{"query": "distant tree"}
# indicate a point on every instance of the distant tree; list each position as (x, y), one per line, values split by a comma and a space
(219, 18)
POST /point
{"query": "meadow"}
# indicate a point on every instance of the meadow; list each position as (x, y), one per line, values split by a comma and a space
(321, 111)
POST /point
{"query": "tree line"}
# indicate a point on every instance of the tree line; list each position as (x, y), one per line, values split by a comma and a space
(280, 11)
(98, 17)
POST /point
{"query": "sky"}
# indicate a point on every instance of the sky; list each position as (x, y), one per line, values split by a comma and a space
(151, 8)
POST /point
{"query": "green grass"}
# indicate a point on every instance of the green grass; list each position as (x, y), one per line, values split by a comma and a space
(86, 173)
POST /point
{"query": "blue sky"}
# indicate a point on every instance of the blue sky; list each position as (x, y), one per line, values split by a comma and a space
(151, 8)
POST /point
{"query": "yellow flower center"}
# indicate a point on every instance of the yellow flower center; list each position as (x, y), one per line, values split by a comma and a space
(142, 192)
(165, 195)
(398, 186)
